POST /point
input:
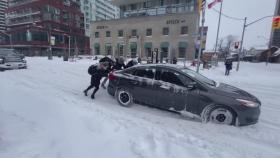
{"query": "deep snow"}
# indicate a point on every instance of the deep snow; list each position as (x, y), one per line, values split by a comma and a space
(44, 114)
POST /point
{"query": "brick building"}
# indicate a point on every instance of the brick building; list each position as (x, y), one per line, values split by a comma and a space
(42, 27)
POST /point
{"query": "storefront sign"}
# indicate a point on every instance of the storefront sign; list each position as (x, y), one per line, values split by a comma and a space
(175, 21)
(101, 27)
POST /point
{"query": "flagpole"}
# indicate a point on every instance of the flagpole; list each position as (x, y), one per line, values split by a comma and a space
(219, 23)
(201, 38)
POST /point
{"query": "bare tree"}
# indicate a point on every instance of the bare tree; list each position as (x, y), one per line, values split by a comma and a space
(225, 44)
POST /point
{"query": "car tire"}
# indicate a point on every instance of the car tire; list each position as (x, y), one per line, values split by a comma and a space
(124, 97)
(222, 115)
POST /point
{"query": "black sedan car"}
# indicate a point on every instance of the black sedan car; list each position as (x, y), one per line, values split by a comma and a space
(176, 88)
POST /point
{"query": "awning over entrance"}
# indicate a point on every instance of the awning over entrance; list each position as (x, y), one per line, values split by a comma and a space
(133, 45)
(96, 45)
(108, 44)
(164, 45)
(183, 45)
(120, 44)
(148, 45)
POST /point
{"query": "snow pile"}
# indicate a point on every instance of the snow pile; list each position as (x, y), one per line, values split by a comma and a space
(43, 114)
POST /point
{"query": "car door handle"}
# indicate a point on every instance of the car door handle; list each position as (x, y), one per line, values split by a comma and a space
(134, 82)
(165, 87)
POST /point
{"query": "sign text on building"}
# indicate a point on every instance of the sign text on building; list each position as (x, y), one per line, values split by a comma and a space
(101, 27)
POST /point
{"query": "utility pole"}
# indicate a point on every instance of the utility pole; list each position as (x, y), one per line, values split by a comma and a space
(218, 31)
(11, 43)
(243, 33)
(201, 40)
(241, 45)
(50, 43)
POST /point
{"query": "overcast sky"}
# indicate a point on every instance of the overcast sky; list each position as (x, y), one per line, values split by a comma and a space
(256, 35)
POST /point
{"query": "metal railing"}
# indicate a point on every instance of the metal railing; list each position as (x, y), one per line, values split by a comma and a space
(17, 3)
(159, 11)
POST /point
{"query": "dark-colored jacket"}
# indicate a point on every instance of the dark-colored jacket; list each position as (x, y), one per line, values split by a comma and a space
(96, 74)
(109, 61)
(118, 66)
(131, 63)
(228, 64)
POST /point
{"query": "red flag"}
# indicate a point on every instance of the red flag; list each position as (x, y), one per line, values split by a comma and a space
(210, 5)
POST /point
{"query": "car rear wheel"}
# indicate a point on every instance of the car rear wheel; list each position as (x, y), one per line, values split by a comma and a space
(222, 115)
(124, 97)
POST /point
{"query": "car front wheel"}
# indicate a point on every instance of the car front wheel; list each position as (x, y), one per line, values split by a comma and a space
(124, 98)
(222, 115)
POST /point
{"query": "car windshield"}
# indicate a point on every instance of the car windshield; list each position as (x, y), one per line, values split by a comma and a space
(199, 77)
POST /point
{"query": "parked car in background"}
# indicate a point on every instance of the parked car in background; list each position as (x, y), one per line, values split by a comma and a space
(9, 60)
(180, 89)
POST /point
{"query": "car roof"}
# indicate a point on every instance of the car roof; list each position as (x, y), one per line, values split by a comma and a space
(171, 66)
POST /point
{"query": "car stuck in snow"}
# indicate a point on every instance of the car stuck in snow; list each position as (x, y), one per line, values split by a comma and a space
(176, 88)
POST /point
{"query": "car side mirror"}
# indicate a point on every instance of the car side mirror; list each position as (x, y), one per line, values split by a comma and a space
(191, 85)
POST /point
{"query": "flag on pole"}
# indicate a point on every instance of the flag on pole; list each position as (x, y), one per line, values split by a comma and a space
(201, 5)
(210, 5)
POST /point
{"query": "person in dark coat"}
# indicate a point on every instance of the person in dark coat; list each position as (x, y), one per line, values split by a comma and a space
(97, 72)
(119, 65)
(110, 63)
(139, 60)
(131, 63)
(174, 60)
(228, 65)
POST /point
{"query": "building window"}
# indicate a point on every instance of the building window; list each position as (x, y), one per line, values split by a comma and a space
(133, 49)
(120, 33)
(182, 49)
(182, 52)
(149, 32)
(148, 49)
(96, 35)
(120, 49)
(134, 33)
(184, 30)
(161, 2)
(108, 33)
(108, 49)
(133, 7)
(96, 49)
(165, 31)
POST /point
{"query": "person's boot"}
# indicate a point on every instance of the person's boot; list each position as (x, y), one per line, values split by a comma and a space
(92, 96)
(85, 92)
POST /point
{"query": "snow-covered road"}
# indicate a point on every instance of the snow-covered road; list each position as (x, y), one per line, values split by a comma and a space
(44, 114)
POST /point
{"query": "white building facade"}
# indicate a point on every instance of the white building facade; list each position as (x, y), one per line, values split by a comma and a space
(169, 26)
(96, 10)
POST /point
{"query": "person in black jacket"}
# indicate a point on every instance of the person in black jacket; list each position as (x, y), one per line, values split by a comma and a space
(131, 63)
(228, 64)
(119, 65)
(110, 63)
(97, 72)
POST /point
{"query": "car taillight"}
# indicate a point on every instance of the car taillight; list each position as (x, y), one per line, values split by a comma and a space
(112, 76)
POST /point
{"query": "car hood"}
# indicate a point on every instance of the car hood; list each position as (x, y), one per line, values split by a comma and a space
(234, 92)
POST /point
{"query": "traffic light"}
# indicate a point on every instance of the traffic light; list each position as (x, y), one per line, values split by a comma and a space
(276, 22)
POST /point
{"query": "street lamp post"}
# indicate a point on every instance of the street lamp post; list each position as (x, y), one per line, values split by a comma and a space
(241, 45)
(243, 33)
(69, 46)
